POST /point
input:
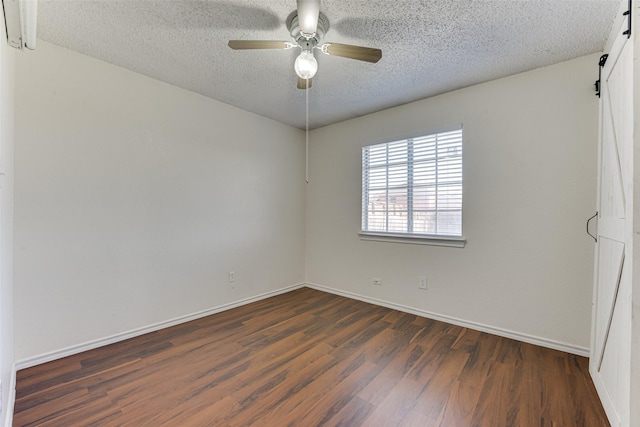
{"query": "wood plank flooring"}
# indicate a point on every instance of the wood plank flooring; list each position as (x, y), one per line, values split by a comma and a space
(308, 358)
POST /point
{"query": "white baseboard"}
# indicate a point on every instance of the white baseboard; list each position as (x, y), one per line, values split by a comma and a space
(8, 411)
(79, 348)
(543, 342)
(58, 354)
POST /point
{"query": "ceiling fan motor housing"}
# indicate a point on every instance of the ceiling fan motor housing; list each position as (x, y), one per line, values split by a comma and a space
(307, 43)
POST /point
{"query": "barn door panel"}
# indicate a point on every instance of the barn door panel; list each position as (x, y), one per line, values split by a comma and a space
(610, 349)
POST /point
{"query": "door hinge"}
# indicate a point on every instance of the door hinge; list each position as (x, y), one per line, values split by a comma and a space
(628, 14)
(601, 62)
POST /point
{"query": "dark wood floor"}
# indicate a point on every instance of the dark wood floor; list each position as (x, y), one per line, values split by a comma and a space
(308, 358)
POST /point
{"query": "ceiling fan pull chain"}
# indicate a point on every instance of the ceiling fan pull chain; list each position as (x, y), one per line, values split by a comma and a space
(306, 133)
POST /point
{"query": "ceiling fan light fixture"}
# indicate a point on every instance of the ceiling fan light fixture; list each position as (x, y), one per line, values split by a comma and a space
(306, 65)
(307, 26)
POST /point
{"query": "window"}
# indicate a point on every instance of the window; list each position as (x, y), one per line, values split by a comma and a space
(413, 187)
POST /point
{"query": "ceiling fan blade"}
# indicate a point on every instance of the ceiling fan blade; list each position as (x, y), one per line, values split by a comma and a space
(259, 44)
(308, 12)
(368, 54)
(302, 83)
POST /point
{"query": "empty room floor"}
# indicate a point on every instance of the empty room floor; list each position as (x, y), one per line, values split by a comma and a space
(309, 358)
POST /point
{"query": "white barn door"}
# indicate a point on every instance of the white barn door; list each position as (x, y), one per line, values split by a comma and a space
(610, 361)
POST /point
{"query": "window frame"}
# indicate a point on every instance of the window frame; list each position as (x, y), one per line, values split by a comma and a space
(412, 238)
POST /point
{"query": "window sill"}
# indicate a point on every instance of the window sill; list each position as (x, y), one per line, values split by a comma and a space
(413, 239)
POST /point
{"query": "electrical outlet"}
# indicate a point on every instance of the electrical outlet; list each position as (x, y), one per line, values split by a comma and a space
(377, 282)
(232, 276)
(422, 282)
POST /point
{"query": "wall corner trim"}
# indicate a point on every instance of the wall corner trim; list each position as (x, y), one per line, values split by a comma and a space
(8, 411)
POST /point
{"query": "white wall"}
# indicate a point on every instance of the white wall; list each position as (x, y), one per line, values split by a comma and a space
(129, 212)
(6, 224)
(134, 199)
(529, 185)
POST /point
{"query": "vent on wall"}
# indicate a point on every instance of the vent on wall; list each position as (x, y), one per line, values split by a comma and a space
(20, 17)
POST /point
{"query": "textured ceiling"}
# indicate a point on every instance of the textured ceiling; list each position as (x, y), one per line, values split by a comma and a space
(429, 47)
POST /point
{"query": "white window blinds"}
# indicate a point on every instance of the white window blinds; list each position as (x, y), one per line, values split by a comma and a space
(414, 186)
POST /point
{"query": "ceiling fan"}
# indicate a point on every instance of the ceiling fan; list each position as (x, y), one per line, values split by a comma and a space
(307, 26)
